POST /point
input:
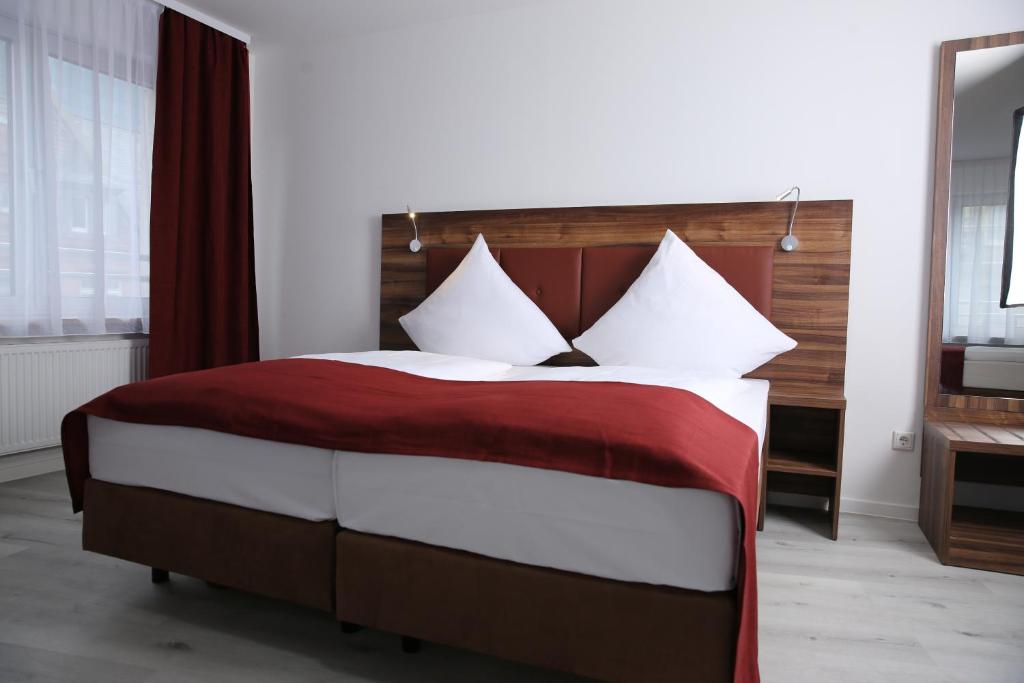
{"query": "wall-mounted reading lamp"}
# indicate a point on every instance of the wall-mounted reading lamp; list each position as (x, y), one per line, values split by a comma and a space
(790, 242)
(415, 244)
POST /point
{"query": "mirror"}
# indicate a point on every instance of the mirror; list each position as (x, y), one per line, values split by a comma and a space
(981, 339)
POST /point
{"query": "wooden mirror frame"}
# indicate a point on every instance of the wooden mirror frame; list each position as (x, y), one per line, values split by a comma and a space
(939, 406)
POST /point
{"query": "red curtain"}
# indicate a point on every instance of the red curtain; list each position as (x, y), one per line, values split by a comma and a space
(202, 278)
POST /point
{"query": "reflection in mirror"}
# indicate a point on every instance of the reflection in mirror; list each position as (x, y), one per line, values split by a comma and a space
(1013, 253)
(983, 342)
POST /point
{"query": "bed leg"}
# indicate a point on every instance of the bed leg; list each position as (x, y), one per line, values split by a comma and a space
(349, 627)
(159, 575)
(411, 645)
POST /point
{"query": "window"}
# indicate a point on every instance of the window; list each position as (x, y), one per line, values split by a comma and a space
(977, 223)
(117, 263)
(77, 211)
(74, 224)
(980, 244)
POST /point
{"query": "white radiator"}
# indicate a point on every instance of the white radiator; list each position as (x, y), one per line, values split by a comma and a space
(39, 383)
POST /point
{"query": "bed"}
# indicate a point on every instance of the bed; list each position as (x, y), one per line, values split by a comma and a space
(520, 514)
(434, 548)
(994, 367)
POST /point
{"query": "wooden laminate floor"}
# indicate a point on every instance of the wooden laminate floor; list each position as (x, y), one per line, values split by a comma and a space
(875, 606)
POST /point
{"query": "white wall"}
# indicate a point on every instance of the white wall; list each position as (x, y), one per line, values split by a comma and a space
(600, 102)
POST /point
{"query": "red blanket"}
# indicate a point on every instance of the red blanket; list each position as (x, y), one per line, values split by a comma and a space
(647, 434)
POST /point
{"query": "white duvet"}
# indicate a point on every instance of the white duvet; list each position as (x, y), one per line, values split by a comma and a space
(609, 528)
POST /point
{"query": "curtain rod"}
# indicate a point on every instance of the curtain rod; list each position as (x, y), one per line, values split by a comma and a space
(193, 13)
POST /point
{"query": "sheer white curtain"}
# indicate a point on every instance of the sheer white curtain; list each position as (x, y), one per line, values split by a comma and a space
(977, 223)
(77, 81)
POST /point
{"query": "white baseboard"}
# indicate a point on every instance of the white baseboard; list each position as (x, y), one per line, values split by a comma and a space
(30, 464)
(873, 508)
(853, 506)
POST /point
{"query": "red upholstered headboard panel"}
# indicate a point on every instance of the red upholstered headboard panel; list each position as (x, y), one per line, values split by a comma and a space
(575, 286)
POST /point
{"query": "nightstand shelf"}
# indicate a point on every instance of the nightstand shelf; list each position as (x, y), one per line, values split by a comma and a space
(800, 463)
(803, 451)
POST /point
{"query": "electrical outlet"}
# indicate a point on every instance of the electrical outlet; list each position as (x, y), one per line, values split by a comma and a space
(902, 441)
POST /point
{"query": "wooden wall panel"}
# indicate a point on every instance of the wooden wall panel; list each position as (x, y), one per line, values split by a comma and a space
(811, 288)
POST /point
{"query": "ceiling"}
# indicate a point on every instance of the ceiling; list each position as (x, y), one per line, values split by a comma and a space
(975, 66)
(312, 20)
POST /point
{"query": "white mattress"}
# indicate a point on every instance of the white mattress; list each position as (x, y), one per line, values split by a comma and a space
(994, 367)
(615, 529)
(1009, 354)
(263, 475)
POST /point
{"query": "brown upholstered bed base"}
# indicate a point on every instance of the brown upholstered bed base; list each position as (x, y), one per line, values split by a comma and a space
(258, 552)
(609, 630)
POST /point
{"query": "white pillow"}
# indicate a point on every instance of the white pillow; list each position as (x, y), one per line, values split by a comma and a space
(681, 314)
(480, 313)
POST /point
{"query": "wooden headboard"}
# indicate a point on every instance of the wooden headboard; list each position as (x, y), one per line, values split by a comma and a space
(810, 293)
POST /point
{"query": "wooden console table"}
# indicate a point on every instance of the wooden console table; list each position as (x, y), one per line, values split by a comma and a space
(976, 537)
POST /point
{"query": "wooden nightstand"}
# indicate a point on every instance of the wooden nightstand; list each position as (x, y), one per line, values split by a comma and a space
(803, 446)
(976, 537)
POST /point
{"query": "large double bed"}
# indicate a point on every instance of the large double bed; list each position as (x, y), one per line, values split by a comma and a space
(539, 517)
(599, 573)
